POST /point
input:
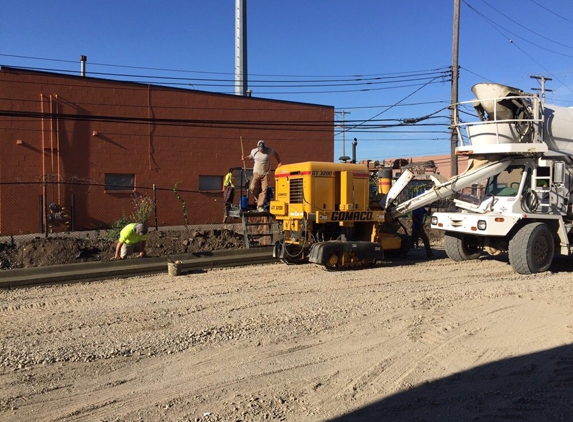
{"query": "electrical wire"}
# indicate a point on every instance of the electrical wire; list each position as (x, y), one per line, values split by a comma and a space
(264, 83)
(388, 108)
(398, 105)
(364, 86)
(371, 125)
(526, 28)
(496, 26)
(511, 41)
(475, 74)
(231, 75)
(551, 11)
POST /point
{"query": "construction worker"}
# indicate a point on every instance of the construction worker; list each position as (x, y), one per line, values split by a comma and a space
(261, 172)
(418, 217)
(132, 239)
(228, 192)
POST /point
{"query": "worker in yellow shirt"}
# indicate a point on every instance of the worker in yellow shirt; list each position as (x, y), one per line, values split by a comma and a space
(132, 239)
(228, 192)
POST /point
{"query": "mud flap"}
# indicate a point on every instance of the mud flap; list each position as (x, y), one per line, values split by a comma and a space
(321, 253)
(278, 250)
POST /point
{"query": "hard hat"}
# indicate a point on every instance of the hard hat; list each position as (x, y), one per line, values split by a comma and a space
(141, 229)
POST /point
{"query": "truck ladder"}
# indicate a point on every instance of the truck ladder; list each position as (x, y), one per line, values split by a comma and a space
(542, 186)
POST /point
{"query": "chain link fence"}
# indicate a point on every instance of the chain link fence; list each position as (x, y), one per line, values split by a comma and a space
(46, 208)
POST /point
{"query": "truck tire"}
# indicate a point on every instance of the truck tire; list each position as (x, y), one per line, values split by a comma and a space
(532, 248)
(461, 247)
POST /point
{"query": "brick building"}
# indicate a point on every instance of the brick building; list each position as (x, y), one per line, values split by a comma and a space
(77, 149)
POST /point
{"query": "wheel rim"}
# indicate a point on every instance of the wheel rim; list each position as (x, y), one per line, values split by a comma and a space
(332, 261)
(539, 249)
(470, 245)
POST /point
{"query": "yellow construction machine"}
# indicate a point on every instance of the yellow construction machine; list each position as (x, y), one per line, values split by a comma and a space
(328, 216)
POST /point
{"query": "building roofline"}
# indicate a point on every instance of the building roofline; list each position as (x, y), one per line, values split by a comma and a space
(12, 69)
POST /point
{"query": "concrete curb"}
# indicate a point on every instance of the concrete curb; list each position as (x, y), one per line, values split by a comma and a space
(90, 271)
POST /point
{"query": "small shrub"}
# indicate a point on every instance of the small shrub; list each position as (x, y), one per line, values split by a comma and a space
(143, 207)
(183, 204)
(117, 226)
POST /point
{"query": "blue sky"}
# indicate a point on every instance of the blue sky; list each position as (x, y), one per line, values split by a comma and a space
(378, 61)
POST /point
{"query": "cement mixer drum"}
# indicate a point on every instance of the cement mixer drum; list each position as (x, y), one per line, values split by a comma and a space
(558, 128)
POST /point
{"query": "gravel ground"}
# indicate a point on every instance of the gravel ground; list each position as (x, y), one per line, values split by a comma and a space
(412, 340)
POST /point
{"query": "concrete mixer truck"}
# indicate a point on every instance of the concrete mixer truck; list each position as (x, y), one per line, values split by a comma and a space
(521, 158)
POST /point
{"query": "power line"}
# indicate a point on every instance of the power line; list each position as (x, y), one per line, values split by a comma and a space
(475, 74)
(526, 28)
(496, 26)
(551, 11)
(231, 75)
(283, 124)
(392, 106)
(511, 41)
(376, 84)
(398, 105)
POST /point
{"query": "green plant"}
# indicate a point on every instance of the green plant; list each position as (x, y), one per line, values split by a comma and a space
(143, 207)
(183, 204)
(117, 226)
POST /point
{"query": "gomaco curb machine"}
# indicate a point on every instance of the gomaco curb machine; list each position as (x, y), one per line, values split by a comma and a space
(326, 217)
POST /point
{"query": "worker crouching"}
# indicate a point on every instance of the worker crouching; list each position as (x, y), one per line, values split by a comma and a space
(132, 239)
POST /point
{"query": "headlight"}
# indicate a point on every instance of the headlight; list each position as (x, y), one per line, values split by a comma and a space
(434, 220)
(482, 225)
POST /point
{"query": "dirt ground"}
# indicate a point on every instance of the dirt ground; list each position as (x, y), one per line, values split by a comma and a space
(98, 246)
(411, 340)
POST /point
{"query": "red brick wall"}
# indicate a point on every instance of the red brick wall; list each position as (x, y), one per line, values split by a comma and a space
(164, 136)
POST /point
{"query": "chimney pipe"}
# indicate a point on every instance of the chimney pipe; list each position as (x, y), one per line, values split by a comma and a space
(83, 60)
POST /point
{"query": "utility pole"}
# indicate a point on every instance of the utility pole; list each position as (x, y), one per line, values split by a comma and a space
(454, 98)
(542, 89)
(343, 157)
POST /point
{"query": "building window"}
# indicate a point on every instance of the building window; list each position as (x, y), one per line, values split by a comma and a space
(210, 183)
(116, 181)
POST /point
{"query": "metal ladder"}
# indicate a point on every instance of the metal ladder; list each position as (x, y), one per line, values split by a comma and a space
(252, 220)
(543, 193)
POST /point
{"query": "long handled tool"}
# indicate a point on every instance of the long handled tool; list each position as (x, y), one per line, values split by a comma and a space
(244, 165)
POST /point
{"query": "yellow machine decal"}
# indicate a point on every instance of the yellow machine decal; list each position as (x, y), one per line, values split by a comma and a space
(351, 216)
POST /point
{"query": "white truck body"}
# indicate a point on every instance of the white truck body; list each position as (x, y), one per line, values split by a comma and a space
(521, 156)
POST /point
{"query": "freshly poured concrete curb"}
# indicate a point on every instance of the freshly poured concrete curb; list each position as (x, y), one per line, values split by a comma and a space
(136, 266)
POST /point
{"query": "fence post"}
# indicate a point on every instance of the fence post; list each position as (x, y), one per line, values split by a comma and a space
(73, 213)
(41, 213)
(155, 205)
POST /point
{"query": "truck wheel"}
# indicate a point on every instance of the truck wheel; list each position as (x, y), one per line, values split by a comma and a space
(532, 248)
(461, 247)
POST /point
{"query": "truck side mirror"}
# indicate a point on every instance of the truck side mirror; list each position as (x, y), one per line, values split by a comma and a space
(559, 173)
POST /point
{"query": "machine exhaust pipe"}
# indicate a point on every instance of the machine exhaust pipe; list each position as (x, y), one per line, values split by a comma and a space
(354, 143)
